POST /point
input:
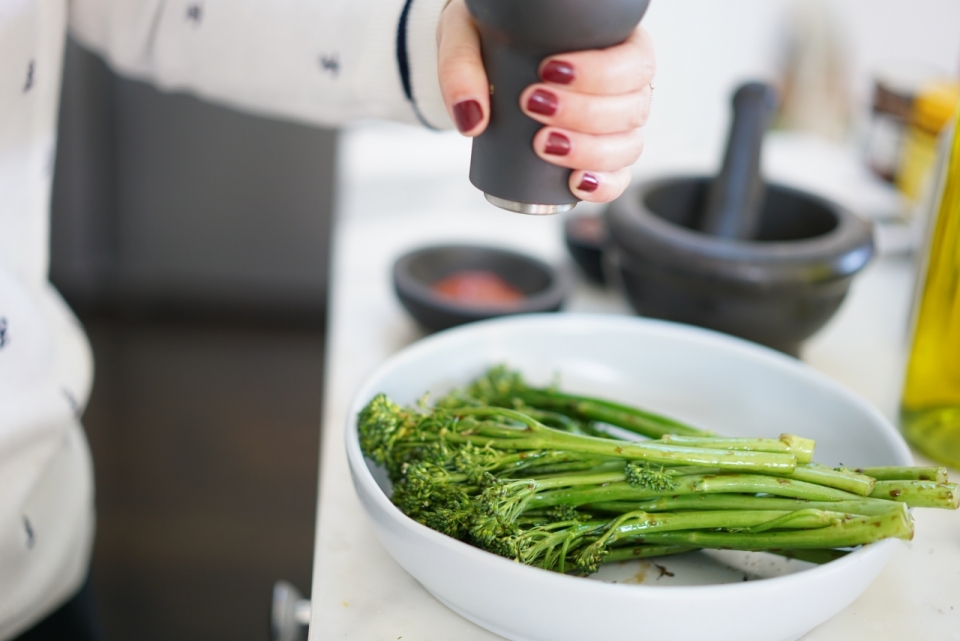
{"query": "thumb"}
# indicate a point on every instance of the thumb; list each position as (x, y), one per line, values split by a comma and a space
(463, 81)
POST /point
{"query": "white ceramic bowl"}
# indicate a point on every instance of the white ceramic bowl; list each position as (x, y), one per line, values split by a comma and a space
(708, 379)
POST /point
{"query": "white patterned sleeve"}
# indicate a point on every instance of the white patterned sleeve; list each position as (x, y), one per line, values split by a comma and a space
(317, 61)
(46, 476)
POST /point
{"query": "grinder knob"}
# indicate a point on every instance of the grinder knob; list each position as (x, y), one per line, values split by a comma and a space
(516, 35)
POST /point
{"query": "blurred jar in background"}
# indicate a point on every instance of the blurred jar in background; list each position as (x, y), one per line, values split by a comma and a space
(815, 87)
(896, 85)
(930, 408)
(932, 110)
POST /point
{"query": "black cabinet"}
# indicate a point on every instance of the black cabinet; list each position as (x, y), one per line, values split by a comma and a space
(164, 202)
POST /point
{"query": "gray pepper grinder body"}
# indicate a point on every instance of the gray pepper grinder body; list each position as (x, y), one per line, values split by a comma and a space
(516, 35)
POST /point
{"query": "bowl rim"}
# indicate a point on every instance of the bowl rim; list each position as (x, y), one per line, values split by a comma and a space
(363, 477)
(548, 298)
(839, 253)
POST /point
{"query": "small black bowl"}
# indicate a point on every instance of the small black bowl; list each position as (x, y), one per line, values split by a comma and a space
(585, 236)
(414, 274)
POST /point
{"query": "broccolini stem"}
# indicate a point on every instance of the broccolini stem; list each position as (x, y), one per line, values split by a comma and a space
(847, 480)
(590, 409)
(694, 484)
(635, 523)
(849, 533)
(919, 493)
(891, 473)
(536, 435)
(859, 506)
(638, 525)
(584, 464)
(800, 447)
(505, 387)
(576, 480)
(629, 553)
(813, 555)
(807, 519)
(561, 421)
(596, 466)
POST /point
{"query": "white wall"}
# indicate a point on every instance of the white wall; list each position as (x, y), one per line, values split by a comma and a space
(705, 47)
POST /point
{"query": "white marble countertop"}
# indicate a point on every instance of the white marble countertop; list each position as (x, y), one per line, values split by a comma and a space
(360, 593)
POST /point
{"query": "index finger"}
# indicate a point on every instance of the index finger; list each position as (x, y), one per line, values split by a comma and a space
(463, 81)
(623, 68)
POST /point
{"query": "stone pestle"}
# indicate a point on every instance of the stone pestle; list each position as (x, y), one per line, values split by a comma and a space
(735, 199)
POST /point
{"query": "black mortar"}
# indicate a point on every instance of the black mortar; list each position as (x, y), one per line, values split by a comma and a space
(776, 289)
(734, 253)
(585, 237)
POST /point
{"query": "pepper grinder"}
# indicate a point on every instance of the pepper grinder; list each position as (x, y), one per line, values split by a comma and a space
(515, 37)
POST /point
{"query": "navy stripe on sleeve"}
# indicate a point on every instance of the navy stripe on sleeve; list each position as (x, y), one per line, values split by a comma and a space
(403, 62)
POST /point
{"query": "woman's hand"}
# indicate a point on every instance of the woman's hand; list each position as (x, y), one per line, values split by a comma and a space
(592, 103)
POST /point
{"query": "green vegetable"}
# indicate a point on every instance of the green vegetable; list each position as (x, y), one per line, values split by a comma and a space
(919, 493)
(535, 475)
(938, 474)
(503, 387)
(863, 507)
(801, 448)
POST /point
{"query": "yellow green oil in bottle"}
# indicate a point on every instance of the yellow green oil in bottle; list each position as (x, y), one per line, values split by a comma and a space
(930, 409)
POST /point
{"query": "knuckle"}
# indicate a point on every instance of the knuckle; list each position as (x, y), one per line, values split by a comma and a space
(633, 117)
(641, 113)
(648, 68)
(607, 162)
(589, 113)
(637, 145)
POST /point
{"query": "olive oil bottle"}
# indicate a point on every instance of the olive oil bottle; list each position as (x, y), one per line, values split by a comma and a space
(930, 408)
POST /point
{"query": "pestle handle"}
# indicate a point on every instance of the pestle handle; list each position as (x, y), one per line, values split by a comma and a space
(515, 36)
(735, 198)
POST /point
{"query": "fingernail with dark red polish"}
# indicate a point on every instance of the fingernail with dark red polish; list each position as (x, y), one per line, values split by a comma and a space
(542, 102)
(557, 144)
(468, 114)
(588, 183)
(557, 71)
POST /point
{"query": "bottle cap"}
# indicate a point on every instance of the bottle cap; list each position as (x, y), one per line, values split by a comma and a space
(935, 105)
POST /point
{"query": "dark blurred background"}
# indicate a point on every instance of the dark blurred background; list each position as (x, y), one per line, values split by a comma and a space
(192, 241)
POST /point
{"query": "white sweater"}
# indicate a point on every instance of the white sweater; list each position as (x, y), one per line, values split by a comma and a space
(316, 61)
